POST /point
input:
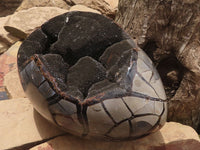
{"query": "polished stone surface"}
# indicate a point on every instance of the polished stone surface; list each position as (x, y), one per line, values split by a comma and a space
(84, 73)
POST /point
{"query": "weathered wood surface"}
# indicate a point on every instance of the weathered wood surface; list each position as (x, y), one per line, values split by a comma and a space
(169, 31)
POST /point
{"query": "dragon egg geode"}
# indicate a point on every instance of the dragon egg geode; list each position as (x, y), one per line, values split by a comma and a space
(82, 72)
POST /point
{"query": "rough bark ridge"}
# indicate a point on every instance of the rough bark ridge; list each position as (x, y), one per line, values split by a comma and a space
(169, 32)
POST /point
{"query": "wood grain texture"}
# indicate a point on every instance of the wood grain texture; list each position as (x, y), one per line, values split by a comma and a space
(169, 33)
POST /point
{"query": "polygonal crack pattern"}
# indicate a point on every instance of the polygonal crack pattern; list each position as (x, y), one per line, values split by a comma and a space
(96, 80)
(133, 116)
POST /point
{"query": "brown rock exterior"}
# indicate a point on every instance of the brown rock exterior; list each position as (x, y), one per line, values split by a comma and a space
(107, 7)
(13, 85)
(26, 4)
(27, 128)
(3, 47)
(83, 8)
(28, 20)
(177, 139)
(179, 145)
(169, 32)
(5, 38)
(21, 124)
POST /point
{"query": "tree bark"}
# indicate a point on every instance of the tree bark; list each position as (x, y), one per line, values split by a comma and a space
(169, 32)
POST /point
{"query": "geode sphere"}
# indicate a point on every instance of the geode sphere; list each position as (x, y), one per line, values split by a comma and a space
(82, 72)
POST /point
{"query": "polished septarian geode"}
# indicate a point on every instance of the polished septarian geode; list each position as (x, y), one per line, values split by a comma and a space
(82, 72)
